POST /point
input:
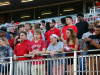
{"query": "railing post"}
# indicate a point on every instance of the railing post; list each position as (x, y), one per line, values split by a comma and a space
(11, 66)
(75, 62)
(94, 11)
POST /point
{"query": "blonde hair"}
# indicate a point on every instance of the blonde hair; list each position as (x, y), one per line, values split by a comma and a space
(95, 23)
(4, 39)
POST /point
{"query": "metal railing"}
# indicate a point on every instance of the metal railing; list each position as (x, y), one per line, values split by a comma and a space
(66, 65)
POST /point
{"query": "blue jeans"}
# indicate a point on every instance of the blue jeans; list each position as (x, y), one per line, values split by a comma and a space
(84, 53)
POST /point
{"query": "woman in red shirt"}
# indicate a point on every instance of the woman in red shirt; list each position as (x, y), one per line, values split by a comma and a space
(73, 44)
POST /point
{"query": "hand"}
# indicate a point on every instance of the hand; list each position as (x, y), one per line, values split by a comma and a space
(85, 49)
(25, 55)
(15, 57)
(11, 35)
(88, 39)
(64, 41)
(19, 40)
(33, 55)
(16, 37)
(37, 53)
(52, 54)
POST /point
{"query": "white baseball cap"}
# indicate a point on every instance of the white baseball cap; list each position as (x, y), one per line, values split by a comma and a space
(54, 35)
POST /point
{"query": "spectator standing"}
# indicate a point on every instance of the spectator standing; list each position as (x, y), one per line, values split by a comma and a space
(53, 30)
(83, 44)
(93, 42)
(27, 29)
(21, 50)
(17, 37)
(56, 47)
(36, 26)
(82, 26)
(69, 25)
(73, 44)
(43, 27)
(5, 51)
(36, 47)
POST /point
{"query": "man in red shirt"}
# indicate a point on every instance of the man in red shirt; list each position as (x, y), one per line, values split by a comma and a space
(36, 47)
(53, 30)
(21, 50)
(69, 25)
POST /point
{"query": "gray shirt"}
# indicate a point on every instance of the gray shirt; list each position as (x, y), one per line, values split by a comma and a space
(58, 46)
(29, 36)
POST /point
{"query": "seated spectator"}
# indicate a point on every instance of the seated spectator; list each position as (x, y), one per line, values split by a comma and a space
(93, 42)
(21, 50)
(36, 26)
(36, 47)
(69, 25)
(73, 44)
(27, 29)
(5, 51)
(83, 44)
(56, 47)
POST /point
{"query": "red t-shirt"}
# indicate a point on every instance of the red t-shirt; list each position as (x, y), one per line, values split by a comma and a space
(21, 49)
(12, 43)
(73, 46)
(67, 27)
(48, 34)
(98, 5)
(38, 47)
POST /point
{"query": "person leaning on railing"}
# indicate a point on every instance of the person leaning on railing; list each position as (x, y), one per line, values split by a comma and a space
(37, 47)
(21, 50)
(71, 44)
(56, 47)
(93, 42)
(5, 51)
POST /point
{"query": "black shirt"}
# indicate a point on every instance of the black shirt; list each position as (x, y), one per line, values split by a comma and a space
(82, 28)
(91, 46)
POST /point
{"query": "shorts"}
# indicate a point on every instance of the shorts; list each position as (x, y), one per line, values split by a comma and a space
(71, 61)
(35, 69)
(4, 68)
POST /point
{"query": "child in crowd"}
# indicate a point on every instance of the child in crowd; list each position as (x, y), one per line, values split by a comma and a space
(37, 47)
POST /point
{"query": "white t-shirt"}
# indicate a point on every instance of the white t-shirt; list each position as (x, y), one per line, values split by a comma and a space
(86, 35)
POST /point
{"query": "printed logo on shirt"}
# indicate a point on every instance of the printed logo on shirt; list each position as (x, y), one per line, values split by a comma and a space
(96, 40)
(36, 47)
(19, 44)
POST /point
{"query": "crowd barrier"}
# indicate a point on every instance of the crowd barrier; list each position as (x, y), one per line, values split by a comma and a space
(53, 66)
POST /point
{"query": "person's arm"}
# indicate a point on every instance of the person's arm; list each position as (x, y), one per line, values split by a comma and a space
(40, 52)
(62, 38)
(86, 48)
(11, 52)
(76, 45)
(59, 51)
(81, 44)
(94, 43)
(15, 57)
